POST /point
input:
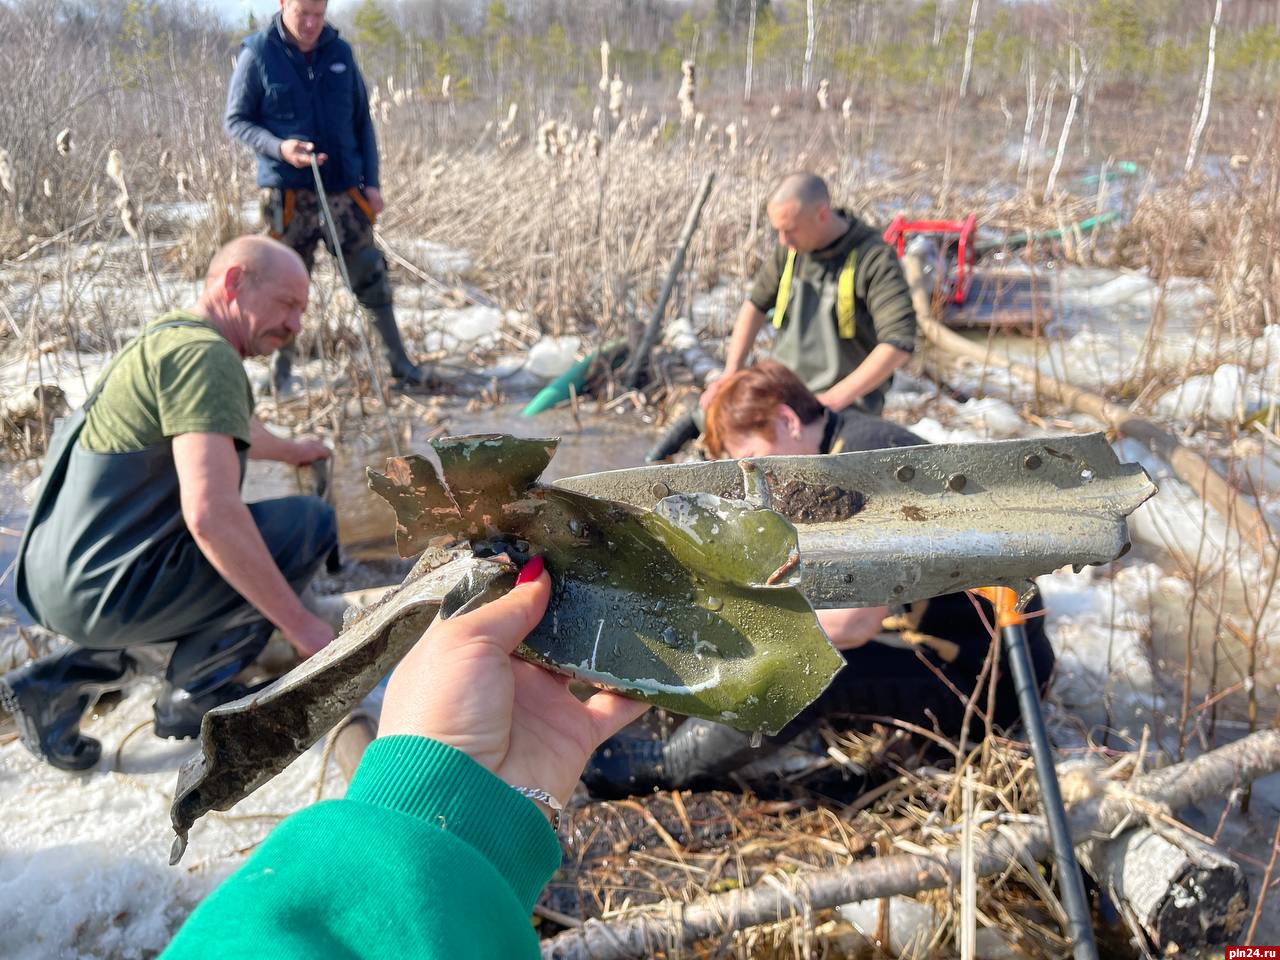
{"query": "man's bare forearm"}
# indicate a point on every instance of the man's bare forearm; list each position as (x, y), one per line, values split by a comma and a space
(230, 540)
(870, 374)
(265, 445)
(745, 330)
(223, 529)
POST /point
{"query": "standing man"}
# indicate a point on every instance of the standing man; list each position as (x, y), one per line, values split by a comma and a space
(138, 533)
(296, 91)
(842, 312)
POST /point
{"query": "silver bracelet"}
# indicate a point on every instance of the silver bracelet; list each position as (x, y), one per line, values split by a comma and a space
(541, 796)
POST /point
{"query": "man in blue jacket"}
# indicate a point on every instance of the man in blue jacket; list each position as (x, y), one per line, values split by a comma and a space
(296, 91)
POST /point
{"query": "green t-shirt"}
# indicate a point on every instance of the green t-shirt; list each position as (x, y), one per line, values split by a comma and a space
(182, 379)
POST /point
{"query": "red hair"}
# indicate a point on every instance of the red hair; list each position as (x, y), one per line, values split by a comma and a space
(747, 402)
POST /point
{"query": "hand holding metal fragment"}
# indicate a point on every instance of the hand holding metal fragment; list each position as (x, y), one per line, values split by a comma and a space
(682, 587)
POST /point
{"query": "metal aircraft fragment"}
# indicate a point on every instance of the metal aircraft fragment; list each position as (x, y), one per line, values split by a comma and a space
(689, 585)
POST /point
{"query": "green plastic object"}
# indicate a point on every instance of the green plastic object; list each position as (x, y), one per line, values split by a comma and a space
(1015, 240)
(557, 391)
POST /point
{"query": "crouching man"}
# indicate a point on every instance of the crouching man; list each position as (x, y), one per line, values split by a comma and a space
(139, 535)
(916, 664)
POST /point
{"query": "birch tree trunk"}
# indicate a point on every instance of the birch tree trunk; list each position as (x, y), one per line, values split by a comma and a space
(1024, 156)
(1206, 91)
(751, 51)
(968, 49)
(810, 21)
(1078, 80)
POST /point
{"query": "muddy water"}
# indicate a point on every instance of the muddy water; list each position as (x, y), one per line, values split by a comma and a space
(366, 523)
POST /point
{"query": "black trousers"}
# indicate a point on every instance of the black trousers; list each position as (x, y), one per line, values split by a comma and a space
(174, 594)
(908, 685)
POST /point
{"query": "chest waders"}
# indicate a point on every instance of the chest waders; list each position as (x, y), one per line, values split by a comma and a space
(846, 300)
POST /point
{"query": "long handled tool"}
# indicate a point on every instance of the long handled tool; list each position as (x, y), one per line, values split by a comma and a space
(336, 243)
(1012, 625)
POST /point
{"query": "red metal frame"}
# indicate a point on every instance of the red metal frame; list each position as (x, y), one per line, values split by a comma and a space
(900, 229)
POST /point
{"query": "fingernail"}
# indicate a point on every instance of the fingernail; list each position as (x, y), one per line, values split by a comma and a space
(531, 571)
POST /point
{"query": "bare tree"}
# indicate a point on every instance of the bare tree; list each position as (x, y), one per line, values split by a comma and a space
(810, 23)
(968, 49)
(1206, 91)
(1077, 79)
(751, 50)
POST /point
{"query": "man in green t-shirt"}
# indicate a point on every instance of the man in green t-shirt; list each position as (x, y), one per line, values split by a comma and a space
(842, 313)
(139, 535)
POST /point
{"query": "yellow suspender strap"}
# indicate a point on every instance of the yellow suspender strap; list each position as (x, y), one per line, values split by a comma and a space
(845, 297)
(784, 291)
(846, 301)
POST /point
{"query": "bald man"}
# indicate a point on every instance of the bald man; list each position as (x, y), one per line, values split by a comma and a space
(842, 314)
(138, 534)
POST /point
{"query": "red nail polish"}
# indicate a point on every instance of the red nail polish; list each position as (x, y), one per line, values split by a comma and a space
(531, 571)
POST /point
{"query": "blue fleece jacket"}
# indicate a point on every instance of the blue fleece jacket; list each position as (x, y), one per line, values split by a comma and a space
(278, 93)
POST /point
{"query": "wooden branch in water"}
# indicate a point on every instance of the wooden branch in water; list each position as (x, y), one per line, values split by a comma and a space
(1195, 470)
(670, 925)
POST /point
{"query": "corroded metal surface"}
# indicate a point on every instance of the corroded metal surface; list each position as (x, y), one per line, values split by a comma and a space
(678, 583)
(1024, 508)
(246, 743)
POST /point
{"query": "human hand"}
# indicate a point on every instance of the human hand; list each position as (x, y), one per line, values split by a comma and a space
(374, 196)
(710, 391)
(309, 635)
(850, 627)
(462, 686)
(303, 452)
(832, 401)
(298, 153)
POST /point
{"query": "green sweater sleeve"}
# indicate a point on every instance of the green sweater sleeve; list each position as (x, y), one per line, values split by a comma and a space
(428, 856)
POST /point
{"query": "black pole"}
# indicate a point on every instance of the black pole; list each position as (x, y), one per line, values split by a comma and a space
(1066, 867)
(636, 369)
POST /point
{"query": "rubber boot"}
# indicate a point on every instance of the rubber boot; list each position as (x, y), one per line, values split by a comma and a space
(282, 370)
(404, 372)
(699, 754)
(199, 674)
(48, 699)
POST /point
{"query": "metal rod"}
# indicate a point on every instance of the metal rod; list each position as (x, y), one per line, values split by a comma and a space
(1066, 867)
(335, 241)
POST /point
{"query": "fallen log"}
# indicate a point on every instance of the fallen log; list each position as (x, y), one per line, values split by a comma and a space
(1247, 520)
(1178, 891)
(672, 925)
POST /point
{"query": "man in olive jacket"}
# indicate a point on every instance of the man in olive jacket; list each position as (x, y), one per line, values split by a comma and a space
(296, 92)
(842, 313)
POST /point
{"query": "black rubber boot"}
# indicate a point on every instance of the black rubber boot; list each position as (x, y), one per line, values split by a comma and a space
(404, 372)
(698, 754)
(48, 699)
(282, 370)
(199, 674)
